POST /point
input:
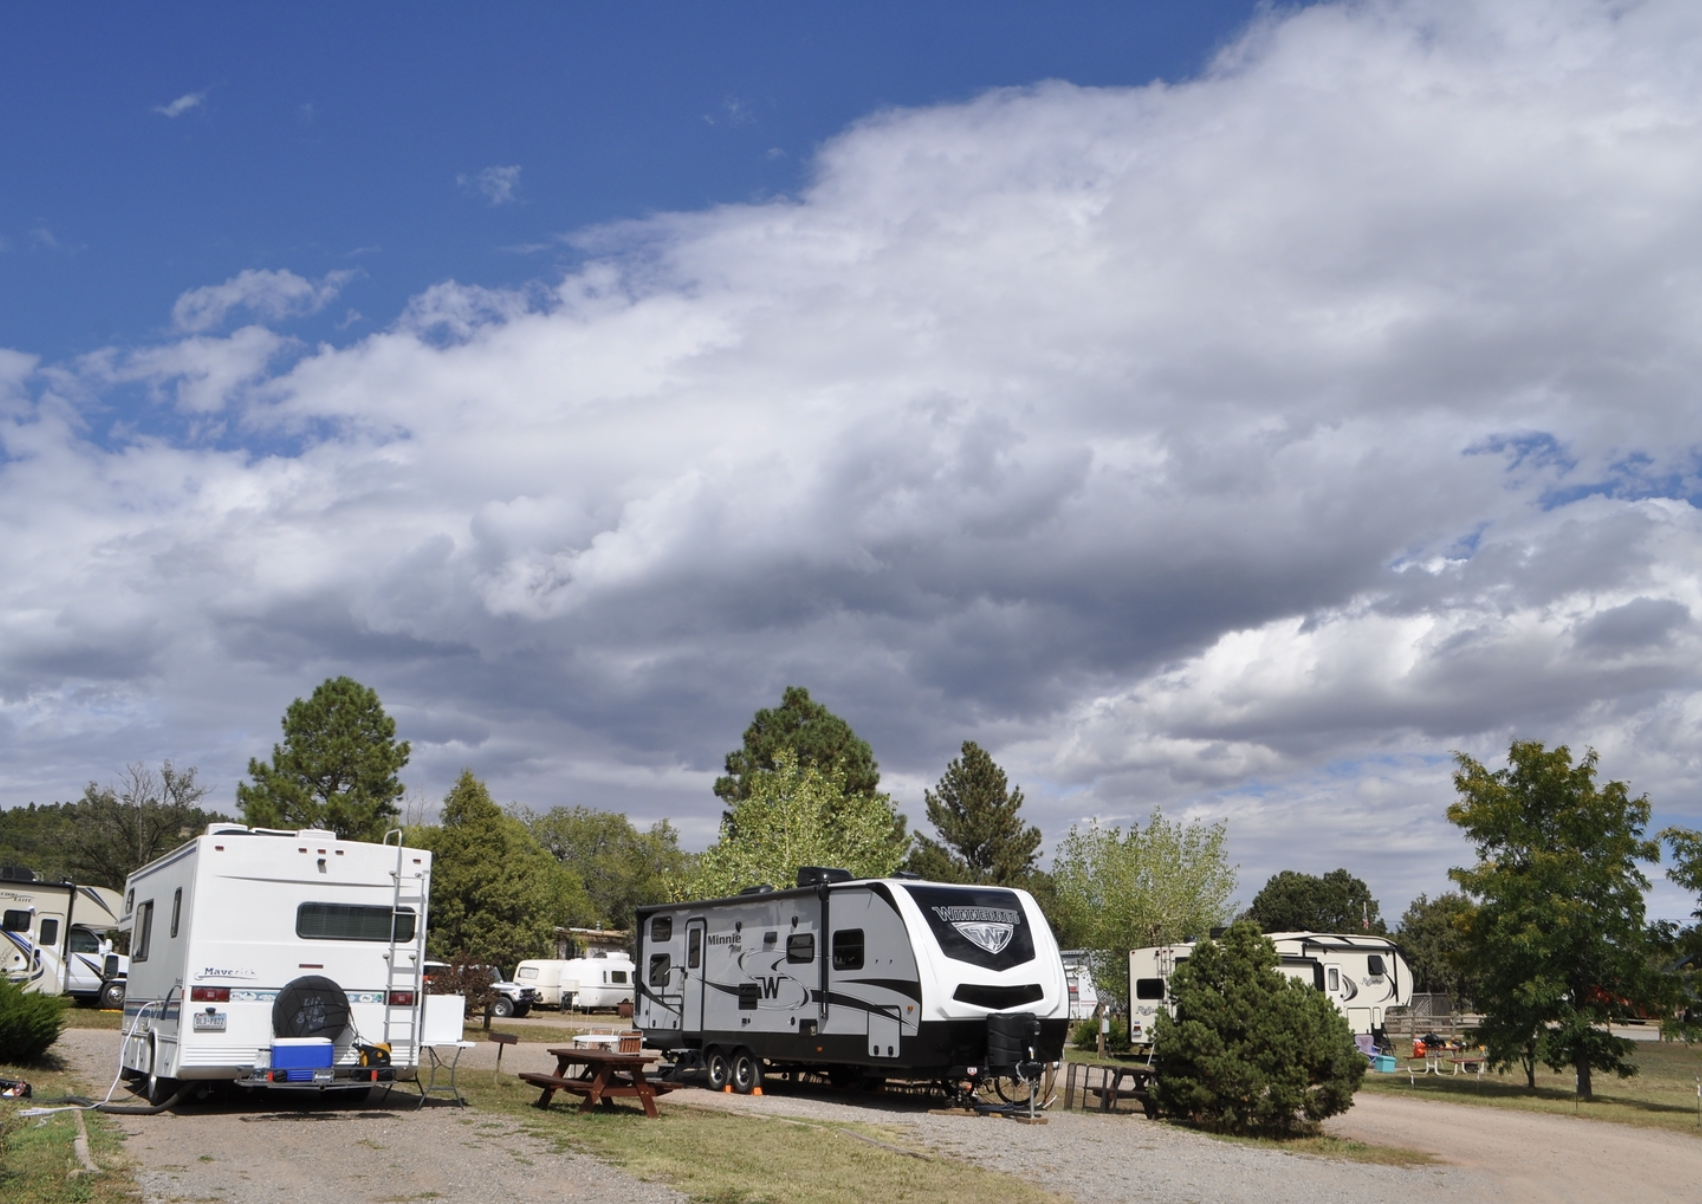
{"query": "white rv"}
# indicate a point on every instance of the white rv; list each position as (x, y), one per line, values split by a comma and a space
(1084, 996)
(880, 978)
(53, 938)
(275, 958)
(602, 979)
(1362, 975)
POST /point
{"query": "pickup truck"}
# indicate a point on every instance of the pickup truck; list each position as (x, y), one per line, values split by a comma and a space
(512, 999)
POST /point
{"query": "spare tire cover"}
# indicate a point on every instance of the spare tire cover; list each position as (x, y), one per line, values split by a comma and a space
(311, 1006)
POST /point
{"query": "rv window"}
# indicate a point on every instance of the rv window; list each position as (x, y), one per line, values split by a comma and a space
(662, 929)
(526, 972)
(176, 910)
(351, 922)
(694, 948)
(1149, 988)
(16, 921)
(1374, 964)
(618, 977)
(1335, 979)
(49, 934)
(84, 941)
(848, 949)
(801, 947)
(660, 965)
(144, 930)
(129, 902)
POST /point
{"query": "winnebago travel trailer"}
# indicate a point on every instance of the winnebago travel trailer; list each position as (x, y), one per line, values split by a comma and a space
(1362, 975)
(276, 958)
(602, 979)
(53, 938)
(871, 978)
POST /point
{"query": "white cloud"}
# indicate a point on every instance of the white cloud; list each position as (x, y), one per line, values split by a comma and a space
(1245, 446)
(266, 294)
(498, 185)
(182, 105)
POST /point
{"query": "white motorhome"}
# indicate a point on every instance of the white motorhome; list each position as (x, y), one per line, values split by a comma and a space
(602, 979)
(53, 938)
(1363, 975)
(874, 978)
(275, 958)
(1084, 996)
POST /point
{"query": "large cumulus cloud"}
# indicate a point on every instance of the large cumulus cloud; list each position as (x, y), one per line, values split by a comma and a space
(1242, 445)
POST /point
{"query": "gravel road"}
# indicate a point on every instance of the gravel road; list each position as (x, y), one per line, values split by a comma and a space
(247, 1151)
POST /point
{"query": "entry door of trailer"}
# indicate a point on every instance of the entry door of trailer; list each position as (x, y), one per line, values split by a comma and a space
(692, 1004)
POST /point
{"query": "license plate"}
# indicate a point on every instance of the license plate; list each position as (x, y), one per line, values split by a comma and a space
(209, 1022)
(323, 1076)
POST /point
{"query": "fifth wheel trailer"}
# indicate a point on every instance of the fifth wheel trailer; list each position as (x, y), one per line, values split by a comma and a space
(871, 978)
(276, 958)
(1363, 975)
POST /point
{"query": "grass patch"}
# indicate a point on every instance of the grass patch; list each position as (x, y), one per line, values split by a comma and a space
(77, 1016)
(529, 1034)
(1661, 1095)
(1322, 1145)
(38, 1163)
(720, 1158)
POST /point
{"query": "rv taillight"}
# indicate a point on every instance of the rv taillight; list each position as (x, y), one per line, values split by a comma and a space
(401, 999)
(209, 995)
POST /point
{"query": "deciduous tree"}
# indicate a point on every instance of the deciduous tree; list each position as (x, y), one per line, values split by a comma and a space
(1296, 902)
(982, 836)
(1557, 941)
(622, 868)
(795, 815)
(115, 830)
(1432, 936)
(336, 768)
(1119, 891)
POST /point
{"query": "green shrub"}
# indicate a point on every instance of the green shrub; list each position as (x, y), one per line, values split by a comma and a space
(29, 1023)
(1251, 1048)
(1085, 1035)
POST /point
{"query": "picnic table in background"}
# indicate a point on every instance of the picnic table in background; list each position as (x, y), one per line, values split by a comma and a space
(607, 1075)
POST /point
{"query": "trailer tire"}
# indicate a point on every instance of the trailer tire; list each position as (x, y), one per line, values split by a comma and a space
(747, 1072)
(717, 1070)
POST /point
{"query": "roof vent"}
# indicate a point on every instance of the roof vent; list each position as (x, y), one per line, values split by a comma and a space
(817, 875)
(16, 873)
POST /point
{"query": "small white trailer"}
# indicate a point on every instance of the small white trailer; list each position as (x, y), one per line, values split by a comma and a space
(1363, 975)
(53, 938)
(276, 958)
(601, 979)
(871, 979)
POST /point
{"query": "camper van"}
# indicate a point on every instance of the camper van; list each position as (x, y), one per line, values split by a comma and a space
(275, 958)
(1362, 975)
(874, 978)
(53, 938)
(602, 979)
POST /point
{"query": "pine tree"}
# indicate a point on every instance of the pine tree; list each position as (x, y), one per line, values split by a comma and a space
(817, 736)
(982, 836)
(336, 768)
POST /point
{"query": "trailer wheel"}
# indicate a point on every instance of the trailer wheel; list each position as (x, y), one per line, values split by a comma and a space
(717, 1071)
(747, 1072)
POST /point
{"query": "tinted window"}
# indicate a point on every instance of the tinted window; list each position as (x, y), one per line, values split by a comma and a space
(84, 941)
(351, 922)
(1149, 988)
(694, 948)
(617, 976)
(144, 931)
(662, 928)
(176, 910)
(1374, 963)
(848, 949)
(660, 965)
(16, 921)
(984, 926)
(801, 947)
(49, 934)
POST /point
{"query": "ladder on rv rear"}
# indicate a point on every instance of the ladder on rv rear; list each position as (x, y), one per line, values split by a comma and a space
(405, 962)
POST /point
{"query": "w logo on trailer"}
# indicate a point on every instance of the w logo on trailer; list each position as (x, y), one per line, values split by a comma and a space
(989, 928)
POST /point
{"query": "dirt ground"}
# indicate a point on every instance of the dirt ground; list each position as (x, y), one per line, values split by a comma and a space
(1535, 1157)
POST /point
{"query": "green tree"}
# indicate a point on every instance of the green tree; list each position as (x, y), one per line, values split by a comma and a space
(1251, 1048)
(622, 868)
(982, 836)
(1432, 935)
(1684, 946)
(497, 895)
(35, 837)
(115, 830)
(795, 815)
(1557, 941)
(336, 768)
(1119, 891)
(816, 737)
(1295, 902)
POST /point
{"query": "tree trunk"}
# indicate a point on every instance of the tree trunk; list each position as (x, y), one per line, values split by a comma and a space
(1528, 1059)
(1582, 1065)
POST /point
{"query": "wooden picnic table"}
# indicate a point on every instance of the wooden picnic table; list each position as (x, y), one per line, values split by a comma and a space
(606, 1076)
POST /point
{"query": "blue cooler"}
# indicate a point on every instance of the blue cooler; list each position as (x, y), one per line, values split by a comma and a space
(1383, 1063)
(301, 1056)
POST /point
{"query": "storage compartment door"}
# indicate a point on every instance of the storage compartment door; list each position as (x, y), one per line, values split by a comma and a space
(884, 1031)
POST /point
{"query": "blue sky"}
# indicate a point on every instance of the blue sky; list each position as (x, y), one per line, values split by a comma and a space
(329, 137)
(1235, 411)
